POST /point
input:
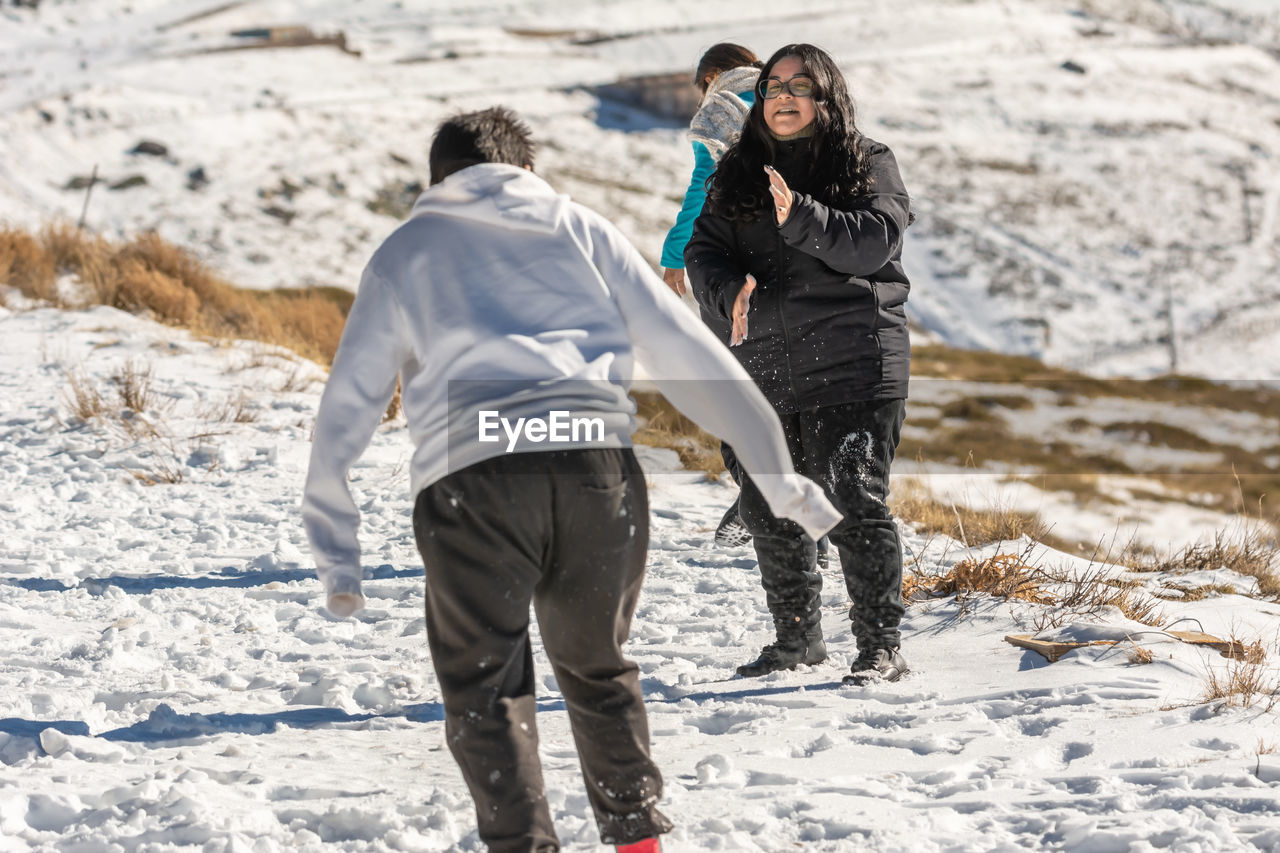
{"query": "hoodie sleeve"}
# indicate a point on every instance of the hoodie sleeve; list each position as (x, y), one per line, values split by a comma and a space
(374, 345)
(673, 247)
(858, 241)
(703, 380)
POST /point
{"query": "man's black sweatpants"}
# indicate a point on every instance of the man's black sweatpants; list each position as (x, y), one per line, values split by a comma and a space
(847, 448)
(567, 530)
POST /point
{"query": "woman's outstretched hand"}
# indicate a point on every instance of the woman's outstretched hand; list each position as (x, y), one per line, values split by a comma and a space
(782, 195)
(739, 333)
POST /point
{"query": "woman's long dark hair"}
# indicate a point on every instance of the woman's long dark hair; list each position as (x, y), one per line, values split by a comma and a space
(838, 169)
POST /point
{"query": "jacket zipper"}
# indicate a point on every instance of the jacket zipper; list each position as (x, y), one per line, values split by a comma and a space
(782, 320)
(875, 335)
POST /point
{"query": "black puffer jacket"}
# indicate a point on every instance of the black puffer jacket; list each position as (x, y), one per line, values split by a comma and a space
(827, 323)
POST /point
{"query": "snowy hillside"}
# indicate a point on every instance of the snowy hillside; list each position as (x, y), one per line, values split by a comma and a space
(1081, 168)
(170, 681)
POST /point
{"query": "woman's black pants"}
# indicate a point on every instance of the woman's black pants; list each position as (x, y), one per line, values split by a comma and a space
(847, 448)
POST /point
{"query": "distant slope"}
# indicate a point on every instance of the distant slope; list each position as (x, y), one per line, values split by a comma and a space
(1081, 171)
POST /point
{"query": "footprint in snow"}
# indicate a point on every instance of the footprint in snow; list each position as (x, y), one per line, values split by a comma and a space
(1216, 743)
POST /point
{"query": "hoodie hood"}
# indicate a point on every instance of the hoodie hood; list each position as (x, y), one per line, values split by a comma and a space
(495, 194)
(723, 111)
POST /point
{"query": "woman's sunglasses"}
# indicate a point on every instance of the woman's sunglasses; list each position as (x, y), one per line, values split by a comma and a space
(799, 86)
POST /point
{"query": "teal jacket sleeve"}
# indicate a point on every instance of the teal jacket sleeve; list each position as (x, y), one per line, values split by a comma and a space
(673, 247)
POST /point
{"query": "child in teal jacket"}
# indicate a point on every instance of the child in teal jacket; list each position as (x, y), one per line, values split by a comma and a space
(727, 75)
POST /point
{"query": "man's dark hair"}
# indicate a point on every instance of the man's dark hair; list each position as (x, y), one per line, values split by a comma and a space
(495, 135)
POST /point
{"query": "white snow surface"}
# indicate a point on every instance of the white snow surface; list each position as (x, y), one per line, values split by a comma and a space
(1082, 169)
(171, 682)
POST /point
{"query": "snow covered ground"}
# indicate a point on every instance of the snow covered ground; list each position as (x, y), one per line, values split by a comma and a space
(1081, 168)
(170, 680)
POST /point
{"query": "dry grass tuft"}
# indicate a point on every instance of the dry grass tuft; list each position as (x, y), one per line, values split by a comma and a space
(299, 379)
(1093, 593)
(394, 407)
(1139, 655)
(1160, 434)
(983, 366)
(82, 396)
(1242, 684)
(156, 254)
(983, 407)
(139, 288)
(232, 410)
(1254, 653)
(26, 265)
(665, 426)
(240, 411)
(150, 275)
(913, 503)
(161, 469)
(1172, 592)
(1006, 576)
(133, 383)
(1246, 549)
(308, 321)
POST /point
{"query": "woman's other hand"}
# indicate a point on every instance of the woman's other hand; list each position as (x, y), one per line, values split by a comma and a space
(782, 195)
(740, 305)
(674, 280)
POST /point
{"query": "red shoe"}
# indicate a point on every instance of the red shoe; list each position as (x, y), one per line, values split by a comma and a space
(648, 845)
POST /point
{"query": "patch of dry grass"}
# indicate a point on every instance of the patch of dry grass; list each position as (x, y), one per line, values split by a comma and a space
(665, 426)
(1007, 576)
(913, 503)
(26, 265)
(150, 275)
(82, 397)
(236, 410)
(1139, 655)
(133, 383)
(162, 465)
(1092, 592)
(299, 380)
(1172, 592)
(974, 435)
(395, 406)
(934, 361)
(983, 407)
(1159, 434)
(975, 444)
(1245, 549)
(1242, 684)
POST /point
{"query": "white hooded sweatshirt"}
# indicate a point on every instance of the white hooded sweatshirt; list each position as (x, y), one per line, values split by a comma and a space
(500, 295)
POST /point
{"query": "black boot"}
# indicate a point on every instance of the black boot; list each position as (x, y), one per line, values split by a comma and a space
(824, 554)
(877, 664)
(731, 532)
(809, 649)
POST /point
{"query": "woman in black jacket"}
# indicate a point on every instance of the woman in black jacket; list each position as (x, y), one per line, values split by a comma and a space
(796, 261)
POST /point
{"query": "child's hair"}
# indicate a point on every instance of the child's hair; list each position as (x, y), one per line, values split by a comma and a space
(495, 135)
(722, 57)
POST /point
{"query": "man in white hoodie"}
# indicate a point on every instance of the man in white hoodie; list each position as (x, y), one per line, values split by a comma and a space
(503, 306)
